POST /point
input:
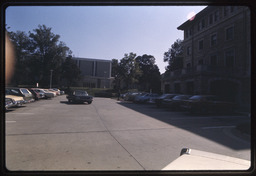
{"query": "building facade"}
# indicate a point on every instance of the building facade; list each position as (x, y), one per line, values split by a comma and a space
(96, 73)
(216, 55)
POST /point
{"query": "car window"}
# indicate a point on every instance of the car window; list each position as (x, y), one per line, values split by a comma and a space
(24, 91)
(14, 91)
(80, 93)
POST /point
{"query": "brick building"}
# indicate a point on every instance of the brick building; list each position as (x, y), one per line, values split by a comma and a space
(96, 73)
(216, 55)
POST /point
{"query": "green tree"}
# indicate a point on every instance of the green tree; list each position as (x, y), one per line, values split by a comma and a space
(174, 56)
(115, 72)
(48, 52)
(129, 70)
(150, 75)
(21, 44)
(70, 72)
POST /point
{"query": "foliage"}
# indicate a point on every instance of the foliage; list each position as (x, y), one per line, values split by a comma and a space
(173, 56)
(36, 55)
(129, 70)
(136, 72)
(70, 71)
(150, 77)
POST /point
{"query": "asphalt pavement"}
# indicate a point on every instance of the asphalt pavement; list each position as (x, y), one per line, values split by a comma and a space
(114, 135)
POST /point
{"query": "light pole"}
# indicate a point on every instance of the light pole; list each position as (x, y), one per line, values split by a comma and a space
(51, 79)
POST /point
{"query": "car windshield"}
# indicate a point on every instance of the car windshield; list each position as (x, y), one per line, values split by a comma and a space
(181, 97)
(25, 91)
(196, 97)
(80, 93)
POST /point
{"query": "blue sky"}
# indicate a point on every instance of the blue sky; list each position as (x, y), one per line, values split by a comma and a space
(107, 32)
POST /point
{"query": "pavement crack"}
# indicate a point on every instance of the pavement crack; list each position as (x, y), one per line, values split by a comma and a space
(101, 119)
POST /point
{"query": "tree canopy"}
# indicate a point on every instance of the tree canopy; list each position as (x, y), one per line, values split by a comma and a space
(174, 56)
(138, 72)
(37, 53)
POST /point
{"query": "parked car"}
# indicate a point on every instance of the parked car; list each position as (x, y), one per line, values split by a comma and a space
(46, 93)
(36, 94)
(25, 93)
(176, 102)
(208, 104)
(57, 91)
(16, 100)
(51, 91)
(130, 96)
(152, 98)
(79, 96)
(204, 160)
(8, 103)
(160, 99)
(146, 98)
(62, 92)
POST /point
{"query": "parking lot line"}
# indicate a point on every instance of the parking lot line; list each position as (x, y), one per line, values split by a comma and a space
(21, 113)
(10, 121)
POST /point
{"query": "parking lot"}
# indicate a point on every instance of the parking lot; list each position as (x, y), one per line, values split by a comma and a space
(114, 135)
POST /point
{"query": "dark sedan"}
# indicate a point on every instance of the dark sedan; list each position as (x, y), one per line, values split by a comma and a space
(208, 104)
(159, 100)
(176, 102)
(79, 96)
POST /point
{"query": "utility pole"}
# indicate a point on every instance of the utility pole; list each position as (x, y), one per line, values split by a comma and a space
(51, 79)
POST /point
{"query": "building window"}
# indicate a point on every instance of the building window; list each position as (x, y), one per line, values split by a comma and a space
(201, 24)
(210, 19)
(226, 10)
(200, 45)
(213, 60)
(201, 62)
(188, 33)
(189, 50)
(229, 33)
(216, 15)
(230, 58)
(213, 39)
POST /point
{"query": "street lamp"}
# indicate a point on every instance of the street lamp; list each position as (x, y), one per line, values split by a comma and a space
(51, 79)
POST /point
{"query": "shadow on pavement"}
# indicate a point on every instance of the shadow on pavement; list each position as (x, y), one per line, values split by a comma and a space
(75, 103)
(221, 128)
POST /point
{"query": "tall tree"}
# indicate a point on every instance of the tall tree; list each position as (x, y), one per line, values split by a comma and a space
(21, 44)
(129, 70)
(48, 52)
(115, 72)
(174, 56)
(70, 72)
(150, 74)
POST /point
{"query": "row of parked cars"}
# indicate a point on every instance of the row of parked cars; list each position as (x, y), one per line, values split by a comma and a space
(190, 103)
(15, 96)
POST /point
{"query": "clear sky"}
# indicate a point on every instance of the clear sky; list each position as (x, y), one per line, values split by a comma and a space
(107, 32)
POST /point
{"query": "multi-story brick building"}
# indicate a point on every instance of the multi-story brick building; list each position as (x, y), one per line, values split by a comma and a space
(216, 55)
(96, 73)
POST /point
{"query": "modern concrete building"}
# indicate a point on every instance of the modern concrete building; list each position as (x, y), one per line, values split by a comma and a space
(96, 72)
(216, 55)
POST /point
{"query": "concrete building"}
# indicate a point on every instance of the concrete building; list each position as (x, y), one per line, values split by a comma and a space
(216, 55)
(96, 73)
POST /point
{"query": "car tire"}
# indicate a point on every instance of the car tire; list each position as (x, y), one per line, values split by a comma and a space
(89, 102)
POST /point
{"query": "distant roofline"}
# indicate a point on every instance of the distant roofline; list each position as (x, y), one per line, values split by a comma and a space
(91, 59)
(198, 15)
